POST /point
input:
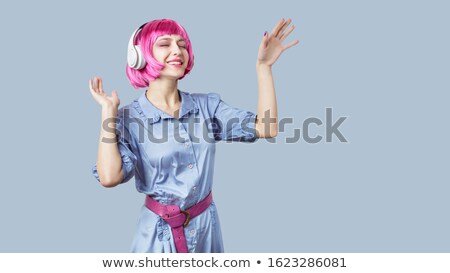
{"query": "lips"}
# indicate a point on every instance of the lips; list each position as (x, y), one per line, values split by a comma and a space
(175, 62)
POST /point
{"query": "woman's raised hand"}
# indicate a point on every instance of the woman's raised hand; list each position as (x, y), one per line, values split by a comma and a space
(101, 97)
(272, 44)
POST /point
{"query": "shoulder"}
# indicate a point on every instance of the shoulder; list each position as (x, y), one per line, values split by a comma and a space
(208, 103)
(132, 109)
(208, 100)
(128, 114)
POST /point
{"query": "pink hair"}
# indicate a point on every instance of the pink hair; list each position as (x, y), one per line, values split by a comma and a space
(146, 38)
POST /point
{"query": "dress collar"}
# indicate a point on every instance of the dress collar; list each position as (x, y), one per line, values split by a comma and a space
(188, 105)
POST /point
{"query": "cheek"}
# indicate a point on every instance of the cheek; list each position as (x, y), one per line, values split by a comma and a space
(186, 56)
(159, 55)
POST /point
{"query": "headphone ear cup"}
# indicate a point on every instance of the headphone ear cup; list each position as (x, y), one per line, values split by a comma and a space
(135, 58)
(132, 57)
(140, 60)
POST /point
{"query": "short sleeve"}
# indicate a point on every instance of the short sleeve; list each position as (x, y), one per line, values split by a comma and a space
(129, 159)
(231, 123)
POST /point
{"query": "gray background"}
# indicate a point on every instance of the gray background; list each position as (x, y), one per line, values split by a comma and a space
(382, 64)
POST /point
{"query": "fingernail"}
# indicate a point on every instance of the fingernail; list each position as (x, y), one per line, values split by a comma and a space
(265, 33)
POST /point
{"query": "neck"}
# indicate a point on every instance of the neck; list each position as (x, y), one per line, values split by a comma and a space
(163, 92)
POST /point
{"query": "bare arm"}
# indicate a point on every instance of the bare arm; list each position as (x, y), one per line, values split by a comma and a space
(267, 121)
(109, 161)
(269, 51)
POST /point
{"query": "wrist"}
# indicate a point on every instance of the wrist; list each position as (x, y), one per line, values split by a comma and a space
(109, 111)
(262, 66)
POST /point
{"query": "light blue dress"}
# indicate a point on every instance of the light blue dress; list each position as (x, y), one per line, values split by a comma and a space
(173, 161)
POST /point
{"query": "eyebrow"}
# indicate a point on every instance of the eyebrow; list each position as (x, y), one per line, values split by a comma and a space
(168, 39)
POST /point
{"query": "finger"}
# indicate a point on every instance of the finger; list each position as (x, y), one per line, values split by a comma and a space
(94, 87)
(287, 33)
(100, 87)
(94, 93)
(283, 27)
(116, 96)
(277, 27)
(264, 41)
(293, 43)
(97, 85)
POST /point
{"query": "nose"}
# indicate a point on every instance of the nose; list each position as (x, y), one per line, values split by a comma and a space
(176, 50)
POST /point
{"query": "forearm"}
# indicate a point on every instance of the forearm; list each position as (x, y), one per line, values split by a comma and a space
(267, 122)
(109, 161)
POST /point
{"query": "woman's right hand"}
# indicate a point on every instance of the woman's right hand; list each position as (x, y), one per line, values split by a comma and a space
(107, 102)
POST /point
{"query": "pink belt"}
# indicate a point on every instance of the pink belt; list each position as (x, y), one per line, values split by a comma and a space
(178, 219)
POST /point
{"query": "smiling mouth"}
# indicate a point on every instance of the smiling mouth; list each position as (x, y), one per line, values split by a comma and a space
(175, 63)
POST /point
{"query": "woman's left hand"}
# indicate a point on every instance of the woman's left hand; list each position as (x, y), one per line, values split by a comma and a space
(272, 45)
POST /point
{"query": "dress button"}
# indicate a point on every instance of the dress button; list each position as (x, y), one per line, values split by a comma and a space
(194, 188)
(190, 166)
(186, 144)
(193, 232)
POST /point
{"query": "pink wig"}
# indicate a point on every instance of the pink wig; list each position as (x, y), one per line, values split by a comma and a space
(146, 38)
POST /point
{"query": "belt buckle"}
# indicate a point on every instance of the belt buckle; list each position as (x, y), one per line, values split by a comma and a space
(188, 217)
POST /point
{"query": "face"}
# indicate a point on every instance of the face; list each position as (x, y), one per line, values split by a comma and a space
(171, 51)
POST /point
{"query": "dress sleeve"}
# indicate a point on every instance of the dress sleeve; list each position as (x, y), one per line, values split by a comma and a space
(231, 123)
(129, 159)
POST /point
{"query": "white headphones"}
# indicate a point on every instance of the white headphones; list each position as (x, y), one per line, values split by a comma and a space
(135, 57)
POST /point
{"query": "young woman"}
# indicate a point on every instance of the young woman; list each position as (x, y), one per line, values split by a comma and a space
(166, 137)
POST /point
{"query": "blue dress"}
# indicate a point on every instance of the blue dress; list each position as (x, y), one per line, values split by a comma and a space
(172, 160)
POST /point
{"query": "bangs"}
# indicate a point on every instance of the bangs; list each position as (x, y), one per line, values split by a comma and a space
(169, 28)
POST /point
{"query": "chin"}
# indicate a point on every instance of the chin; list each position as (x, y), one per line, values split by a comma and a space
(174, 76)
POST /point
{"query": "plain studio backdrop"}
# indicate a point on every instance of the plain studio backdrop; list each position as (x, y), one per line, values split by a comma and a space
(383, 65)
